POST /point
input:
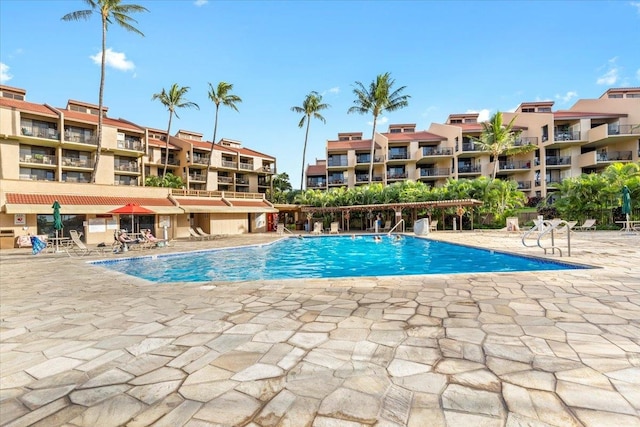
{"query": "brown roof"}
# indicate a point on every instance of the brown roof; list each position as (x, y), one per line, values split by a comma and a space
(201, 202)
(29, 106)
(359, 144)
(249, 203)
(314, 170)
(64, 199)
(92, 118)
(565, 114)
(414, 136)
(158, 143)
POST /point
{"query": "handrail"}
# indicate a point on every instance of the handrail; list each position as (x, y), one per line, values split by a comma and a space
(287, 230)
(537, 226)
(396, 226)
(548, 227)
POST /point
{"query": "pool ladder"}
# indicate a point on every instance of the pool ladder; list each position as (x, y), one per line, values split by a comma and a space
(547, 227)
(396, 226)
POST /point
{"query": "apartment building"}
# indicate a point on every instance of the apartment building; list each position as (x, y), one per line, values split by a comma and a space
(586, 138)
(49, 153)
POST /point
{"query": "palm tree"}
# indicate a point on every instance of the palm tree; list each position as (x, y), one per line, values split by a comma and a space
(220, 95)
(377, 99)
(311, 107)
(498, 139)
(173, 99)
(110, 11)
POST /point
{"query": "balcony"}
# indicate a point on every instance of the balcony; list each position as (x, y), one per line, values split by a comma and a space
(201, 160)
(222, 179)
(76, 179)
(40, 132)
(266, 169)
(565, 135)
(82, 138)
(40, 159)
(524, 185)
(75, 162)
(469, 169)
(316, 184)
(226, 164)
(341, 162)
(127, 167)
(558, 160)
(134, 145)
(246, 166)
(614, 156)
(616, 129)
(398, 156)
(396, 176)
(513, 165)
(366, 159)
(434, 172)
(242, 181)
(198, 177)
(435, 151)
(526, 140)
(336, 181)
(471, 146)
(131, 182)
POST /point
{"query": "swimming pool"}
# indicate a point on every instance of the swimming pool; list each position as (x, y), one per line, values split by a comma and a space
(326, 257)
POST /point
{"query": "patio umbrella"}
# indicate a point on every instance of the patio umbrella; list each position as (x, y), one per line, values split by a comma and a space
(626, 203)
(131, 209)
(57, 220)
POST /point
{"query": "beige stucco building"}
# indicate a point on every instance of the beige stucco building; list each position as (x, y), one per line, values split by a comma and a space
(586, 138)
(49, 153)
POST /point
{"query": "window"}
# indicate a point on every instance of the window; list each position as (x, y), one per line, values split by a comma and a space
(395, 130)
(615, 95)
(544, 109)
(470, 120)
(529, 110)
(454, 121)
(633, 95)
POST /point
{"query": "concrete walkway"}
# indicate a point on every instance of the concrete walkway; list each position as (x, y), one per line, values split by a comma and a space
(83, 346)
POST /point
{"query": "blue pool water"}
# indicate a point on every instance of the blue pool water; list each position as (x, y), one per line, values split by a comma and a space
(324, 257)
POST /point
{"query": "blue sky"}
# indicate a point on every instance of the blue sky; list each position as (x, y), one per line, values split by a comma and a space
(453, 57)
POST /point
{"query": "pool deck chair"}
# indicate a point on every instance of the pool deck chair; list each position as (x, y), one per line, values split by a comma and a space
(193, 234)
(280, 229)
(512, 225)
(433, 225)
(335, 228)
(79, 248)
(387, 226)
(317, 228)
(205, 235)
(589, 224)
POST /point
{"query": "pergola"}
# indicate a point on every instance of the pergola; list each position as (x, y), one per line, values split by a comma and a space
(459, 204)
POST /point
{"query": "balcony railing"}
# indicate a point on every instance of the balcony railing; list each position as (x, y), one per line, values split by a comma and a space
(131, 182)
(196, 177)
(79, 179)
(228, 164)
(40, 132)
(518, 164)
(366, 159)
(392, 176)
(83, 139)
(336, 181)
(337, 162)
(434, 151)
(613, 156)
(524, 185)
(242, 181)
(469, 169)
(246, 166)
(399, 156)
(317, 184)
(471, 146)
(131, 145)
(201, 160)
(434, 172)
(225, 179)
(616, 129)
(558, 160)
(525, 140)
(566, 136)
(265, 168)
(127, 167)
(41, 159)
(75, 162)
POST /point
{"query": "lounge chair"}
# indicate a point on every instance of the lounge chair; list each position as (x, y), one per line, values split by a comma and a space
(335, 228)
(433, 225)
(387, 226)
(194, 235)
(567, 227)
(589, 224)
(317, 228)
(79, 248)
(201, 232)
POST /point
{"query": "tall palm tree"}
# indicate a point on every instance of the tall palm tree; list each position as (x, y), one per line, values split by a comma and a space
(110, 11)
(377, 99)
(311, 107)
(220, 95)
(173, 99)
(498, 139)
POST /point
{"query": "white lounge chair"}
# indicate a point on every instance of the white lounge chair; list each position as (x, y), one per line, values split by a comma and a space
(194, 235)
(335, 228)
(79, 248)
(317, 228)
(433, 225)
(387, 226)
(589, 224)
(204, 234)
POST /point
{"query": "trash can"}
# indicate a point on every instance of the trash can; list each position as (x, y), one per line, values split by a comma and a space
(7, 239)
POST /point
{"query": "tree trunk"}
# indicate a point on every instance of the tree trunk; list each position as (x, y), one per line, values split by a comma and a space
(373, 147)
(100, 101)
(166, 145)
(213, 142)
(304, 152)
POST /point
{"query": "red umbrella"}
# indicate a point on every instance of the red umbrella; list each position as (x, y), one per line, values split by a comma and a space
(131, 209)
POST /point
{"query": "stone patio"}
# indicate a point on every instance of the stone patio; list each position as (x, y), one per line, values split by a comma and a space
(84, 346)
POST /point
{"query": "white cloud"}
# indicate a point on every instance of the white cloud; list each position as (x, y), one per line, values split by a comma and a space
(5, 76)
(381, 120)
(483, 115)
(567, 96)
(117, 60)
(610, 77)
(200, 2)
(334, 90)
(636, 4)
(638, 74)
(429, 110)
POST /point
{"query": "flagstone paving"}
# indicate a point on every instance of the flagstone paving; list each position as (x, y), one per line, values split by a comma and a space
(83, 346)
